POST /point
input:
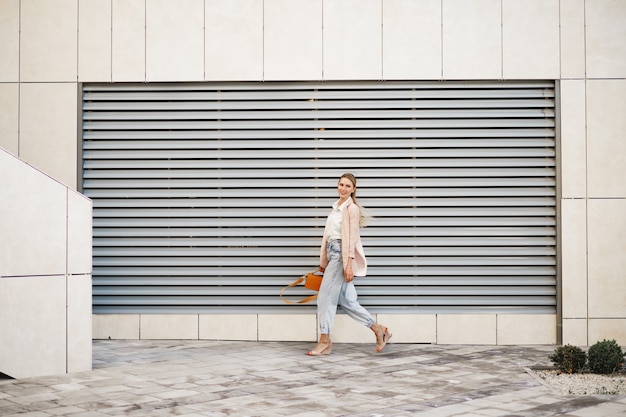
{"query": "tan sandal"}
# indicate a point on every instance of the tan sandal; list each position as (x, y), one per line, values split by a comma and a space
(323, 347)
(386, 336)
(382, 336)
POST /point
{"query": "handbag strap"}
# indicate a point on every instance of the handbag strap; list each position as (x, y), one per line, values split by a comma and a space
(293, 284)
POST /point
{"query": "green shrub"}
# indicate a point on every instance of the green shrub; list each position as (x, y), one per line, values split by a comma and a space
(568, 358)
(605, 357)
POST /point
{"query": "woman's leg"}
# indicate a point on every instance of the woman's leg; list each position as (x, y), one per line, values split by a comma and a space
(330, 289)
(328, 297)
(349, 302)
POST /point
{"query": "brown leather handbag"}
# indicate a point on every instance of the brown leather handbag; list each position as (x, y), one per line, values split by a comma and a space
(312, 281)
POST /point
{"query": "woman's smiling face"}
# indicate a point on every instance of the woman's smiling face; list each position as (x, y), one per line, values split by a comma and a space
(345, 188)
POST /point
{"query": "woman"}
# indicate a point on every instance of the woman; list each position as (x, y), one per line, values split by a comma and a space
(342, 258)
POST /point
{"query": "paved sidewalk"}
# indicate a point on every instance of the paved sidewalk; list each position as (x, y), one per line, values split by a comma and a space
(208, 378)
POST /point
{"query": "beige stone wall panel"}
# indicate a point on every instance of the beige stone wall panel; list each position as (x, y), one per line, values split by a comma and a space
(116, 326)
(49, 129)
(79, 330)
(607, 263)
(352, 39)
(234, 40)
(472, 329)
(530, 39)
(606, 138)
(43, 327)
(574, 258)
(10, 44)
(174, 40)
(128, 40)
(48, 40)
(228, 327)
(41, 210)
(169, 326)
(94, 40)
(410, 328)
(9, 117)
(472, 39)
(605, 21)
(79, 234)
(292, 42)
(346, 330)
(526, 329)
(289, 327)
(572, 14)
(575, 332)
(412, 39)
(609, 329)
(573, 139)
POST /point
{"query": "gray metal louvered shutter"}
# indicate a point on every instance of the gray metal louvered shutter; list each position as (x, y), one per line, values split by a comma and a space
(210, 197)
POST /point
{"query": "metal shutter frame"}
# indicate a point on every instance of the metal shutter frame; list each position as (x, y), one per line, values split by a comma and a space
(209, 197)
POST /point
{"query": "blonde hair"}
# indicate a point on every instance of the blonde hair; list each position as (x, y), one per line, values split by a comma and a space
(363, 217)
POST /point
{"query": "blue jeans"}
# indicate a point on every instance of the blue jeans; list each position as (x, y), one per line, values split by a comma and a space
(336, 291)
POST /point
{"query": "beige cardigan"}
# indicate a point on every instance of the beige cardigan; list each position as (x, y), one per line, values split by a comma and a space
(351, 246)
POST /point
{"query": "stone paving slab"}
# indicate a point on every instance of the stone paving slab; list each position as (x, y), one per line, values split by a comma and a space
(212, 378)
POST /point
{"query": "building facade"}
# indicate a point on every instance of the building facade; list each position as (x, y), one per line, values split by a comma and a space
(58, 55)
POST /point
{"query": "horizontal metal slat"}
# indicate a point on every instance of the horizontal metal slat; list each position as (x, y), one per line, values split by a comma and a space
(367, 193)
(288, 309)
(365, 164)
(166, 205)
(247, 249)
(262, 183)
(195, 245)
(322, 134)
(169, 203)
(320, 124)
(261, 300)
(278, 278)
(309, 258)
(326, 153)
(398, 291)
(98, 105)
(261, 212)
(102, 234)
(269, 94)
(423, 271)
(184, 142)
(319, 222)
(277, 175)
(289, 113)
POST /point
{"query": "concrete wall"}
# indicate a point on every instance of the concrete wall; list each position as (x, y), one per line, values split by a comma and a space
(51, 45)
(45, 273)
(490, 329)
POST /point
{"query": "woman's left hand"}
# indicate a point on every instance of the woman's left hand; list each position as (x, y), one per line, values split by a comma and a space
(348, 274)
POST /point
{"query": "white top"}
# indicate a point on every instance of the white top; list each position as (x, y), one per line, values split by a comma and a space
(333, 222)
